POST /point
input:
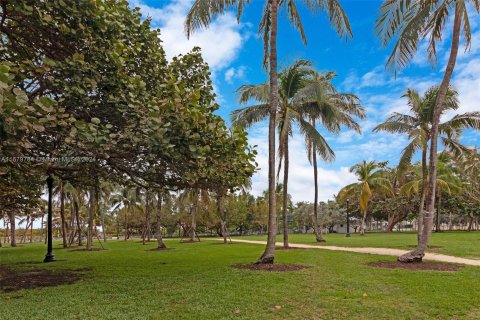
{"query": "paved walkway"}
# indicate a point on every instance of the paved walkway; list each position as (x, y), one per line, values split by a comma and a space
(380, 251)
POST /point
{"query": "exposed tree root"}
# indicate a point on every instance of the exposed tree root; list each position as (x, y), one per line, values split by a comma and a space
(412, 256)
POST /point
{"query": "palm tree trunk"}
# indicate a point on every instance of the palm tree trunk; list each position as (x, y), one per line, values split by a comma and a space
(268, 255)
(421, 208)
(77, 217)
(442, 91)
(62, 216)
(419, 252)
(102, 213)
(91, 212)
(437, 220)
(160, 243)
(222, 215)
(285, 195)
(13, 233)
(126, 224)
(362, 226)
(31, 230)
(318, 227)
(148, 201)
(194, 216)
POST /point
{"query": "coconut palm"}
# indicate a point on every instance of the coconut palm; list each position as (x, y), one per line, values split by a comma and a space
(128, 200)
(447, 181)
(410, 22)
(323, 103)
(298, 102)
(201, 15)
(418, 124)
(371, 178)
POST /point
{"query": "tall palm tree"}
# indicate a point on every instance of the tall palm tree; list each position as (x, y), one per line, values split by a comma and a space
(201, 15)
(418, 125)
(371, 178)
(322, 102)
(297, 104)
(409, 22)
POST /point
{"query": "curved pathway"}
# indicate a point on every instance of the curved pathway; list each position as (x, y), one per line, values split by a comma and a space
(369, 250)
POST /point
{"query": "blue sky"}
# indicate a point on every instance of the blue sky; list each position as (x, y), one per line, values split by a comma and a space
(235, 52)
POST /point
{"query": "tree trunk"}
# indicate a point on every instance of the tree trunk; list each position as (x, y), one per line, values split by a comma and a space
(222, 215)
(148, 214)
(423, 194)
(470, 223)
(27, 226)
(62, 215)
(160, 243)
(317, 224)
(285, 194)
(31, 230)
(442, 91)
(437, 220)
(418, 254)
(362, 225)
(13, 235)
(91, 213)
(126, 223)
(79, 225)
(268, 255)
(194, 216)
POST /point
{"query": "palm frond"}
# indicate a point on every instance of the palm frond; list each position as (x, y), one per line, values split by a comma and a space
(321, 145)
(203, 11)
(248, 116)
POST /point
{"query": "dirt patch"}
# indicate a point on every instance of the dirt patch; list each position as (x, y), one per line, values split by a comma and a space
(290, 248)
(274, 267)
(432, 266)
(16, 279)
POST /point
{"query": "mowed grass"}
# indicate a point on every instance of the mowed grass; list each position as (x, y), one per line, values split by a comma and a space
(195, 281)
(455, 243)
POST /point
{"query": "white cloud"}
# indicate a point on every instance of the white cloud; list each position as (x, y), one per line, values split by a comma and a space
(220, 43)
(300, 184)
(234, 74)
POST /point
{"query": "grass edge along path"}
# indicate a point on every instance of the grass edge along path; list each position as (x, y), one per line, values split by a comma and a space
(371, 250)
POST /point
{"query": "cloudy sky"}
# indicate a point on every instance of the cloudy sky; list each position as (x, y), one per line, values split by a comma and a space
(234, 53)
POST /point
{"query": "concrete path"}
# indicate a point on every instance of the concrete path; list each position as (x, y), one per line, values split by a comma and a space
(379, 251)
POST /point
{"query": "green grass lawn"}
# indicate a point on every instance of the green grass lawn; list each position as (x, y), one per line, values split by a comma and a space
(455, 243)
(195, 281)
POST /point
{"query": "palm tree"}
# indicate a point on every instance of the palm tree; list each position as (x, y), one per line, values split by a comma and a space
(447, 181)
(296, 104)
(201, 15)
(371, 178)
(409, 22)
(418, 125)
(61, 193)
(127, 200)
(161, 196)
(332, 109)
